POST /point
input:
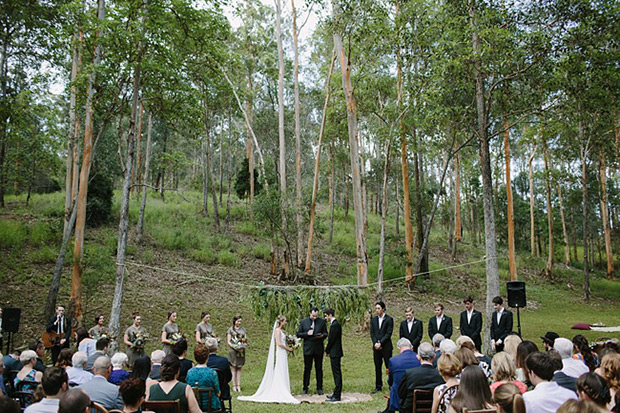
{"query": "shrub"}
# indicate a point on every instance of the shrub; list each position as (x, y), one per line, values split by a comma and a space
(12, 234)
(204, 255)
(262, 251)
(228, 259)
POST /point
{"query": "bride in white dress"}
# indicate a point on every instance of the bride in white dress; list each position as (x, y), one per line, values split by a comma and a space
(275, 386)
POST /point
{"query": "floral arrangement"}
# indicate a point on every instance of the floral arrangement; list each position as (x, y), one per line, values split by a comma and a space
(139, 339)
(209, 335)
(176, 337)
(293, 342)
(239, 343)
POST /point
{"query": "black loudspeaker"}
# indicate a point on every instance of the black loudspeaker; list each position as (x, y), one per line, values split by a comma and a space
(516, 294)
(10, 319)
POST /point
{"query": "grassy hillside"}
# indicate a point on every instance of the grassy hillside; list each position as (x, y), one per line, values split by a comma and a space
(185, 265)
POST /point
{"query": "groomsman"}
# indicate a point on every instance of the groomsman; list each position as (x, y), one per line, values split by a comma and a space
(501, 324)
(333, 350)
(313, 330)
(471, 322)
(381, 327)
(441, 323)
(411, 329)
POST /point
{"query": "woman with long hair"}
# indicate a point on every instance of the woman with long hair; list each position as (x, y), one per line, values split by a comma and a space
(508, 398)
(168, 330)
(236, 338)
(504, 371)
(474, 392)
(85, 342)
(142, 370)
(524, 349)
(610, 367)
(172, 389)
(581, 351)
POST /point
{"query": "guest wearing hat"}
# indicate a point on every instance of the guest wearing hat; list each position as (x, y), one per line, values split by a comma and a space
(549, 339)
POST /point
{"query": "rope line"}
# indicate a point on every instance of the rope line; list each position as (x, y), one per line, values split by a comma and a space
(286, 287)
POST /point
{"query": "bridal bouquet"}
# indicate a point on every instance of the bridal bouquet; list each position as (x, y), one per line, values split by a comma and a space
(292, 341)
(239, 343)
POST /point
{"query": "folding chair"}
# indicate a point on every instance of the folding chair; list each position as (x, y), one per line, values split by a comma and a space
(162, 406)
(205, 395)
(422, 401)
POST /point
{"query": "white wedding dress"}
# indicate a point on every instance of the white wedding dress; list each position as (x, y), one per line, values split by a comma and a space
(275, 386)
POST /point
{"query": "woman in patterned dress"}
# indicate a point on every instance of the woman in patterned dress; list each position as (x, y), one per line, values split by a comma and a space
(236, 356)
(171, 327)
(449, 367)
(135, 346)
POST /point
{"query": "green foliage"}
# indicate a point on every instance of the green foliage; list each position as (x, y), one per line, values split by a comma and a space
(268, 302)
(242, 181)
(262, 251)
(228, 258)
(12, 234)
(99, 202)
(204, 255)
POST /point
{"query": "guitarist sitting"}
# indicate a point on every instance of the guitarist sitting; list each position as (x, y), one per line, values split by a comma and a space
(59, 328)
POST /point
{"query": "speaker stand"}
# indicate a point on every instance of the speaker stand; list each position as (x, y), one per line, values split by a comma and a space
(518, 322)
(8, 343)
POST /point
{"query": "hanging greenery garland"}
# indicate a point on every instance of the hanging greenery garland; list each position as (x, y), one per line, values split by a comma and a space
(349, 303)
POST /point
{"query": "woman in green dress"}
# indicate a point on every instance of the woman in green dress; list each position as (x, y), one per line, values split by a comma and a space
(135, 338)
(171, 389)
(204, 329)
(169, 329)
(236, 338)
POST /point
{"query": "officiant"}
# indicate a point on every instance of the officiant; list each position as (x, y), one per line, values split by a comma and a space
(313, 330)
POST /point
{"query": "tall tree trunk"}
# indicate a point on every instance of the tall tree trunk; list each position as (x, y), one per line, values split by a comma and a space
(147, 162)
(584, 208)
(605, 217)
(315, 183)
(138, 168)
(3, 115)
(549, 268)
(397, 217)
(512, 259)
(300, 232)
(332, 189)
(123, 225)
(487, 183)
(574, 234)
(249, 112)
(207, 144)
(230, 164)
(386, 170)
(205, 175)
(532, 216)
(422, 268)
(404, 163)
(80, 221)
(358, 206)
(564, 231)
(221, 166)
(457, 201)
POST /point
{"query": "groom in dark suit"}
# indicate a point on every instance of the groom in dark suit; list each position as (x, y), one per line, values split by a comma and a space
(471, 322)
(333, 350)
(381, 327)
(313, 330)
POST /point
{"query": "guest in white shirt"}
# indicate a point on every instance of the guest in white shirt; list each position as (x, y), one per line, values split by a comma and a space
(55, 382)
(547, 396)
(77, 374)
(571, 367)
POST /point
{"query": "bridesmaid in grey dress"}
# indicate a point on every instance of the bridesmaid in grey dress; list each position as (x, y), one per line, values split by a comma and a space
(98, 329)
(134, 338)
(171, 327)
(204, 329)
(236, 338)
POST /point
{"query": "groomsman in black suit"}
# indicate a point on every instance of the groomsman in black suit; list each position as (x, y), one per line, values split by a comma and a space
(501, 324)
(441, 323)
(313, 330)
(333, 350)
(471, 322)
(411, 329)
(381, 327)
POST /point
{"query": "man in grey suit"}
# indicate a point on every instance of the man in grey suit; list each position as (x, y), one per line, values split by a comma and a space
(102, 347)
(99, 389)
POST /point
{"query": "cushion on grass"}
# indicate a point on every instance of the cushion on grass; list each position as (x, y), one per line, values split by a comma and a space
(581, 326)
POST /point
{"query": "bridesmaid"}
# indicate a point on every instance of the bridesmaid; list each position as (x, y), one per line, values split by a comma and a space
(97, 330)
(171, 327)
(204, 329)
(134, 337)
(236, 357)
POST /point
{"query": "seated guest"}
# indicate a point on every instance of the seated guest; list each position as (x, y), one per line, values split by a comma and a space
(64, 358)
(581, 351)
(449, 367)
(28, 359)
(508, 398)
(610, 368)
(180, 349)
(77, 374)
(468, 359)
(142, 370)
(547, 396)
(549, 339)
(483, 361)
(85, 342)
(99, 389)
(55, 382)
(446, 346)
(74, 401)
(202, 376)
(156, 357)
(132, 390)
(592, 387)
(38, 347)
(436, 341)
(504, 372)
(171, 389)
(474, 392)
(11, 362)
(101, 348)
(406, 359)
(8, 405)
(559, 377)
(578, 406)
(119, 363)
(571, 367)
(523, 350)
(511, 343)
(219, 363)
(424, 376)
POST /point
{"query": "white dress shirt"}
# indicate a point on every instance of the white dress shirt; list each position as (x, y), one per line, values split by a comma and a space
(547, 397)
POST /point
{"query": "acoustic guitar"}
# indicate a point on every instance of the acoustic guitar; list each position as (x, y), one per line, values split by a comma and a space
(51, 339)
